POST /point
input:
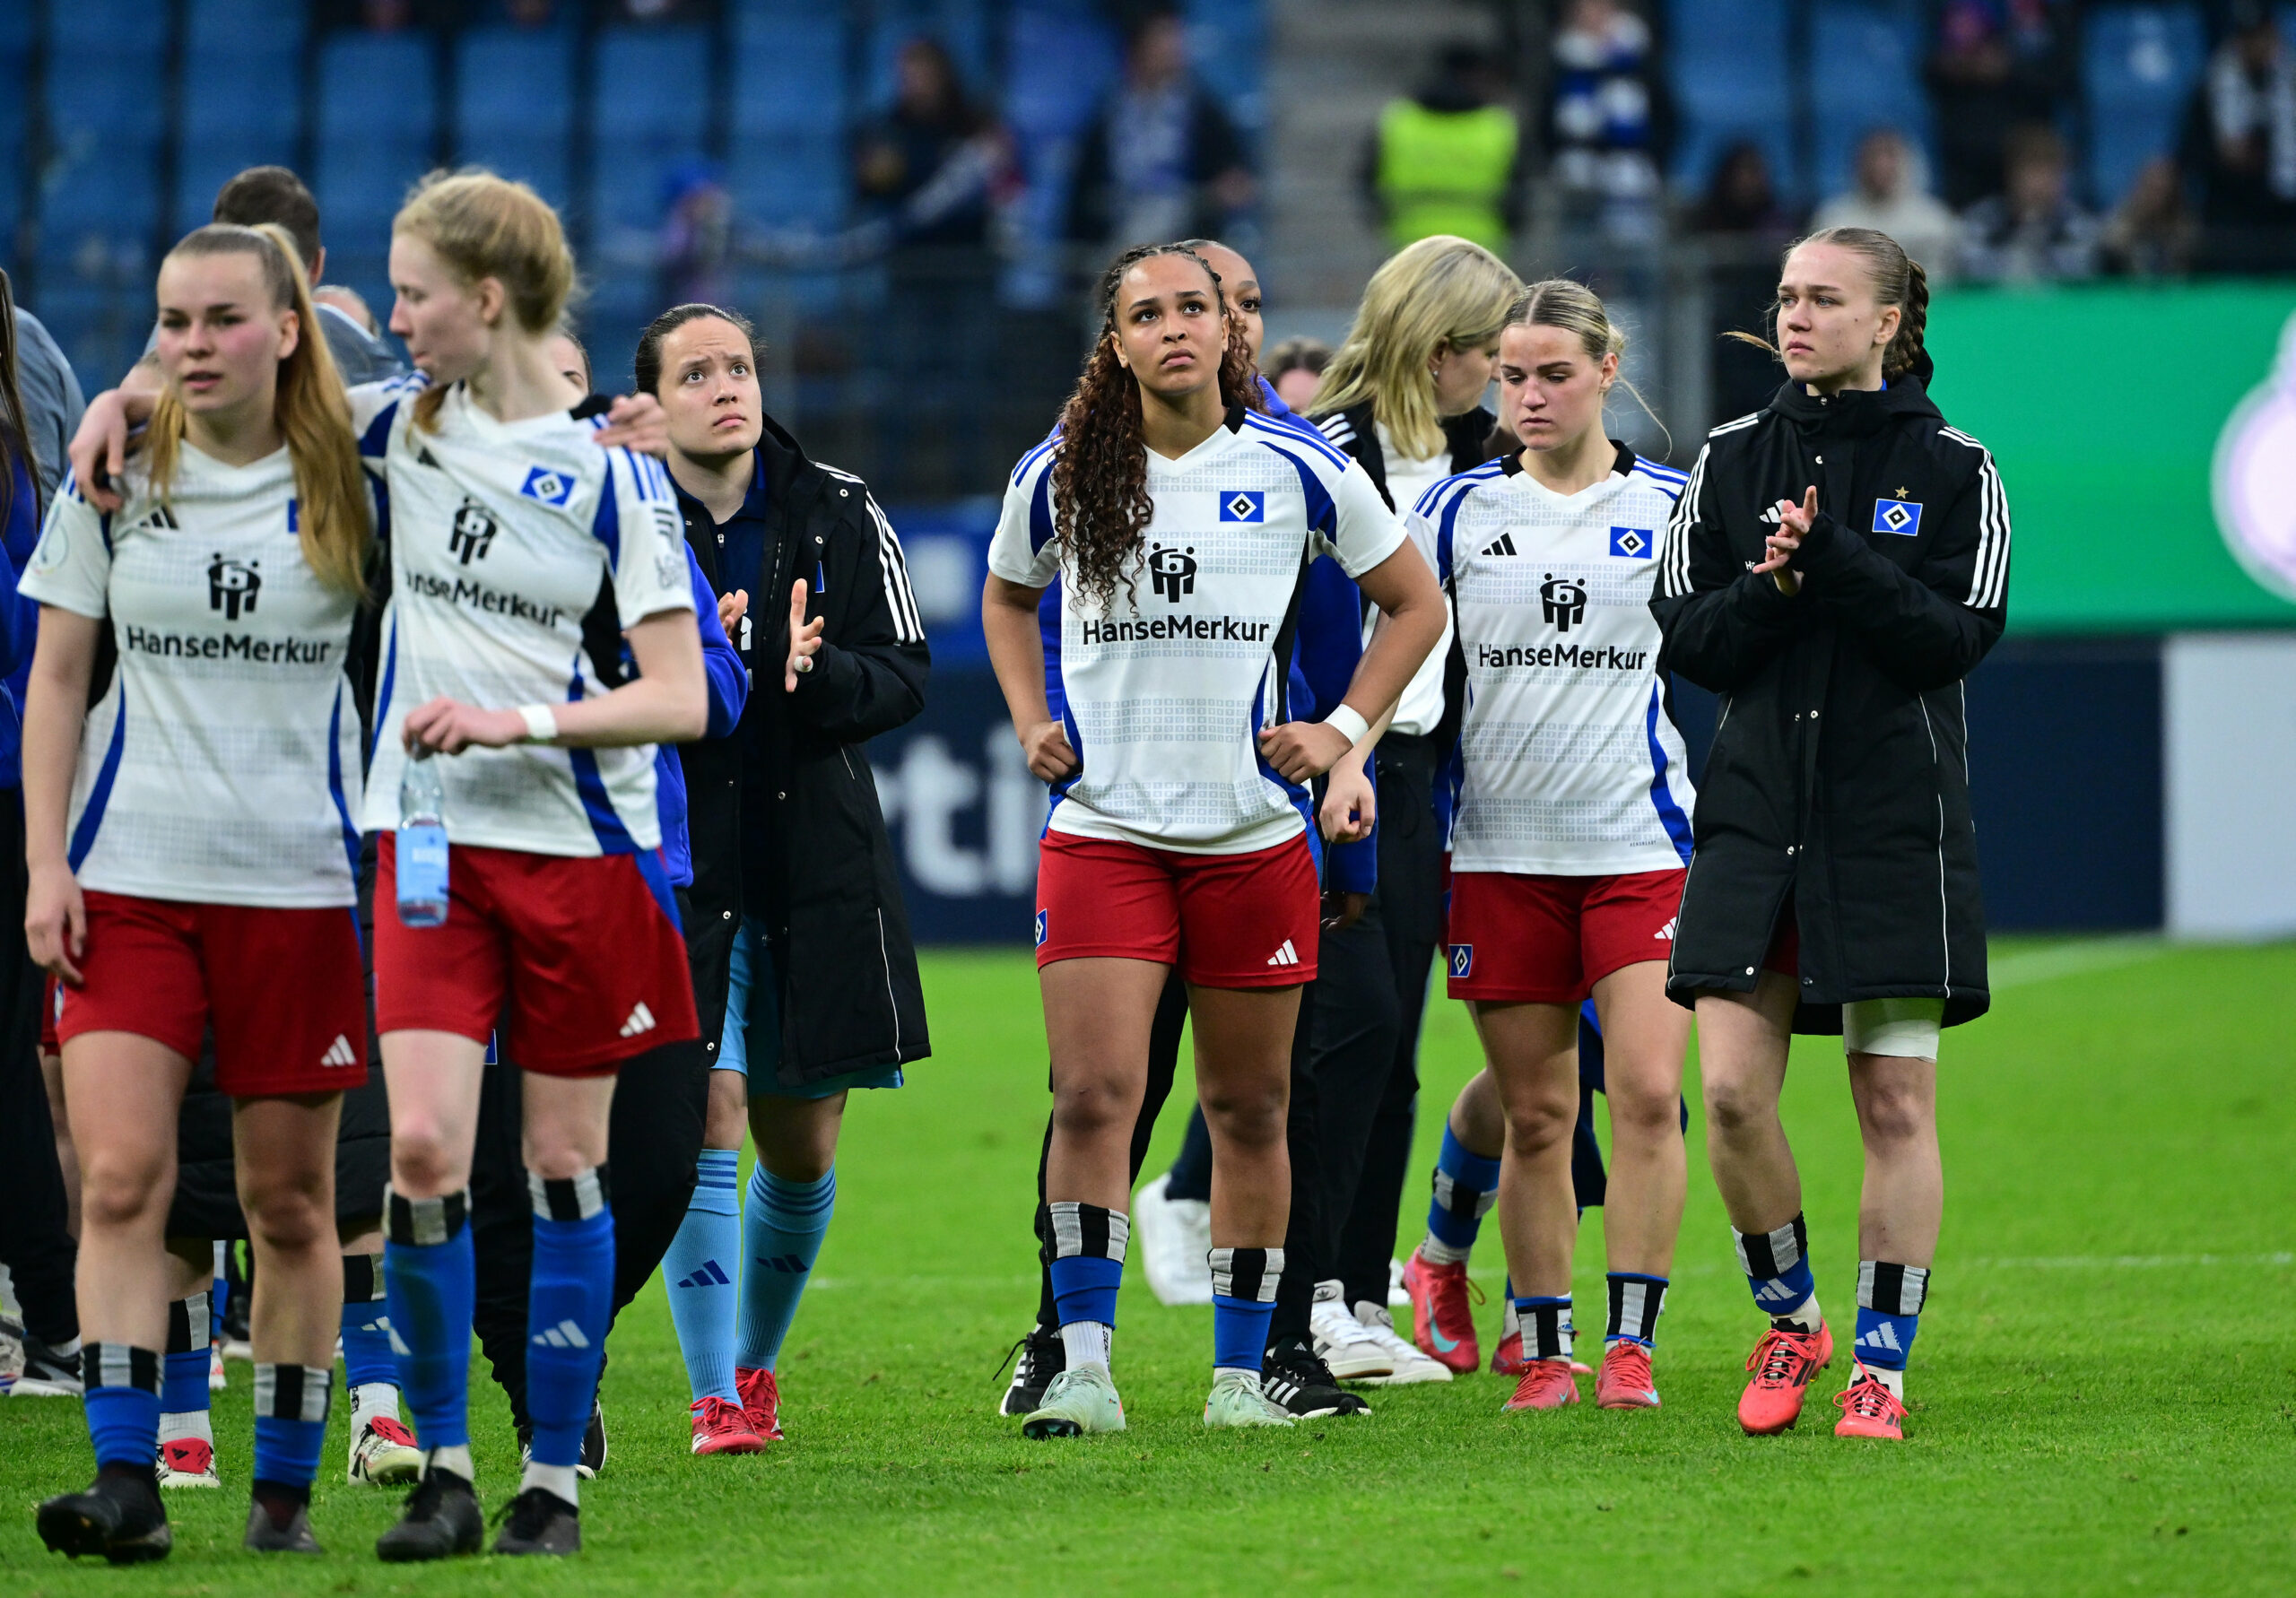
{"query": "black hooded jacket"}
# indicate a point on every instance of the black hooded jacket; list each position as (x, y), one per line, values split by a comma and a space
(814, 856)
(1838, 779)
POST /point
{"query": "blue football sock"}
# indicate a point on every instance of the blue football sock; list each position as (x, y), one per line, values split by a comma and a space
(122, 1403)
(1547, 1330)
(1889, 1311)
(291, 1408)
(1778, 1269)
(1243, 1301)
(1466, 1185)
(430, 1287)
(782, 1224)
(183, 1380)
(568, 1301)
(367, 1356)
(701, 1267)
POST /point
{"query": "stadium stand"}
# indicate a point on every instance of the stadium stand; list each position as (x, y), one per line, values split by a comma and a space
(1865, 73)
(2138, 70)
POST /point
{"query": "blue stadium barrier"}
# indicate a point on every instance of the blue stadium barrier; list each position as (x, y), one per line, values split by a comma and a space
(1865, 58)
(2140, 64)
(242, 96)
(786, 166)
(106, 120)
(513, 106)
(649, 119)
(1724, 70)
(377, 121)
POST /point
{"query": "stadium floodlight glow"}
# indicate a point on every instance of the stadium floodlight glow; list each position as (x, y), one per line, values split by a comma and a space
(2254, 475)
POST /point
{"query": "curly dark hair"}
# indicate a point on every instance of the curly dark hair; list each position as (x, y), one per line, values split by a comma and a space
(1099, 477)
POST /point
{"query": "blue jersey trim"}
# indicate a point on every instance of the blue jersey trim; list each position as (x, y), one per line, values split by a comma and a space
(375, 442)
(1662, 798)
(335, 784)
(383, 697)
(656, 875)
(1322, 513)
(84, 836)
(605, 526)
(605, 821)
(1040, 525)
(1323, 446)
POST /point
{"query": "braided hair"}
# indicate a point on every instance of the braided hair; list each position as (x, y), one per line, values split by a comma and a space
(1099, 477)
(1898, 280)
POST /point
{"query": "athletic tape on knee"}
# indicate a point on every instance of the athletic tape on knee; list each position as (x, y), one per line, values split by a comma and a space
(1089, 1230)
(1891, 1289)
(187, 1324)
(577, 1197)
(1768, 1254)
(425, 1223)
(294, 1391)
(1248, 1274)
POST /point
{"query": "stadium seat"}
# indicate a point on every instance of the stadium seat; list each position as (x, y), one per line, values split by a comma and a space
(377, 121)
(513, 106)
(15, 114)
(1060, 59)
(2139, 68)
(242, 104)
(1725, 70)
(786, 166)
(961, 25)
(650, 119)
(1227, 45)
(1866, 61)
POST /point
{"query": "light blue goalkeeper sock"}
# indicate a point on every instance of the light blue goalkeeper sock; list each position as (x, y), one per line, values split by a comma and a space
(782, 1224)
(701, 1267)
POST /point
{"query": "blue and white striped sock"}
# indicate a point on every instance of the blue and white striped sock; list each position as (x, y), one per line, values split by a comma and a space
(1888, 1313)
(568, 1300)
(184, 1397)
(701, 1267)
(1778, 1269)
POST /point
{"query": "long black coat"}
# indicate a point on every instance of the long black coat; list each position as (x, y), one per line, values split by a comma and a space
(820, 868)
(1840, 770)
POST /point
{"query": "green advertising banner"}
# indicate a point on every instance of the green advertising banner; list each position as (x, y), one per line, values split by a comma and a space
(2147, 439)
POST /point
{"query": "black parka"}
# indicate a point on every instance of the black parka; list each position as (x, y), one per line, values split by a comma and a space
(1839, 773)
(850, 999)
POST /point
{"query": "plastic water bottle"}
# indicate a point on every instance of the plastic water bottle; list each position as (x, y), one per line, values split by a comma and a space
(421, 843)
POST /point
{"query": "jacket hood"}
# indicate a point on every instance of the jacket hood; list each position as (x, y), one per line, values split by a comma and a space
(1856, 411)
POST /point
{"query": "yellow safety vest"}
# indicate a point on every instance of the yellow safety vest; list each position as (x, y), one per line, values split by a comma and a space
(1446, 173)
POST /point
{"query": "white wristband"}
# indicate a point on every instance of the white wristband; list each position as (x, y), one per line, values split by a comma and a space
(542, 722)
(1349, 722)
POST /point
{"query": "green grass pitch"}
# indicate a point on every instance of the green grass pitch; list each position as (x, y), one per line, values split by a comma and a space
(2104, 1392)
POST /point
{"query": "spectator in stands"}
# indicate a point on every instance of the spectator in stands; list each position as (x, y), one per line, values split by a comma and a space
(1746, 229)
(1607, 120)
(2240, 144)
(2153, 233)
(2032, 230)
(696, 236)
(1162, 161)
(1889, 197)
(1445, 158)
(1993, 65)
(1296, 368)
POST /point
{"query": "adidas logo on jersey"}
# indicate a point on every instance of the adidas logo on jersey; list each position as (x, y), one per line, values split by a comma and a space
(1667, 931)
(641, 1020)
(1286, 956)
(340, 1052)
(1882, 1336)
(566, 1334)
(1504, 546)
(712, 1274)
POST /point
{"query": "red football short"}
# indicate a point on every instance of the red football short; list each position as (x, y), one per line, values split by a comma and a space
(1225, 920)
(1541, 940)
(585, 953)
(282, 989)
(51, 1007)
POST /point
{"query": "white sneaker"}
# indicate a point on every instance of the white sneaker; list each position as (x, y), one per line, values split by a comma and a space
(1398, 1295)
(1237, 1401)
(1076, 1403)
(1411, 1367)
(1175, 1238)
(383, 1454)
(1352, 1353)
(11, 1353)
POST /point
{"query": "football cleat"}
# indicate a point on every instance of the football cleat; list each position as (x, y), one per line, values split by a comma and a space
(47, 1373)
(1869, 1409)
(383, 1454)
(1078, 1403)
(187, 1462)
(722, 1428)
(539, 1522)
(1041, 1356)
(1303, 1385)
(1783, 1363)
(441, 1518)
(119, 1516)
(267, 1533)
(1343, 1343)
(1411, 1365)
(1442, 1321)
(1626, 1383)
(216, 1378)
(1547, 1385)
(1236, 1400)
(760, 1397)
(1507, 1359)
(1175, 1241)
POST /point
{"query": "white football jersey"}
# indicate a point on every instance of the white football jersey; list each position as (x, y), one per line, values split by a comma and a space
(1570, 762)
(221, 765)
(506, 538)
(1167, 688)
